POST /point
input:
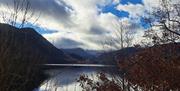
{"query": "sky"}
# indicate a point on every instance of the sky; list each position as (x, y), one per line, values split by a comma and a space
(86, 23)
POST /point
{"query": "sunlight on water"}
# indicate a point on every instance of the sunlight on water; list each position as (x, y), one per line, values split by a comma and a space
(65, 79)
(80, 65)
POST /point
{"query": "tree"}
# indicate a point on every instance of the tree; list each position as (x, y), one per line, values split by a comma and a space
(121, 37)
(153, 69)
(21, 13)
(164, 22)
(119, 32)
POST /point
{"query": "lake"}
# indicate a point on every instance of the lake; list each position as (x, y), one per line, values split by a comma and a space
(65, 78)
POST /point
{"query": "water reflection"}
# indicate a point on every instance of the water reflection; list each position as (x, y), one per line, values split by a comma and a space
(65, 79)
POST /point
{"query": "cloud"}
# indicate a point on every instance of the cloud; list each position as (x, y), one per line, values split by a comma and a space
(138, 9)
(89, 25)
(54, 13)
(98, 30)
(133, 9)
(67, 43)
(80, 23)
(116, 1)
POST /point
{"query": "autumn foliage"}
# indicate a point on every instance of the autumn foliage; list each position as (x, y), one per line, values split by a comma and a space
(103, 83)
(155, 68)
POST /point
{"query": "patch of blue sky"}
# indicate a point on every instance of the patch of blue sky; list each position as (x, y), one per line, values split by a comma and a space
(111, 8)
(131, 1)
(45, 31)
(37, 28)
(144, 24)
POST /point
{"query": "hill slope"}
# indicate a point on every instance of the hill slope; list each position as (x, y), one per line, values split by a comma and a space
(79, 52)
(27, 44)
(110, 57)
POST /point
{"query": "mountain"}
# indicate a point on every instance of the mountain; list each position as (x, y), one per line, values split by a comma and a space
(26, 43)
(79, 52)
(110, 57)
(95, 53)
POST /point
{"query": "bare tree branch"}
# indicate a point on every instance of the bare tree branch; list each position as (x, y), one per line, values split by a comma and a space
(21, 12)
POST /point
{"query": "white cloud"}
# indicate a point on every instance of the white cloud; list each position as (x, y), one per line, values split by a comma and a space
(85, 16)
(133, 9)
(74, 20)
(116, 1)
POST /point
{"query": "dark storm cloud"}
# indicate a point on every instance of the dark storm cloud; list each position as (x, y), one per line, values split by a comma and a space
(97, 30)
(67, 43)
(56, 9)
(52, 8)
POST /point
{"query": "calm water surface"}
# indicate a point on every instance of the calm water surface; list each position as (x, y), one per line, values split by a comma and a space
(65, 79)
